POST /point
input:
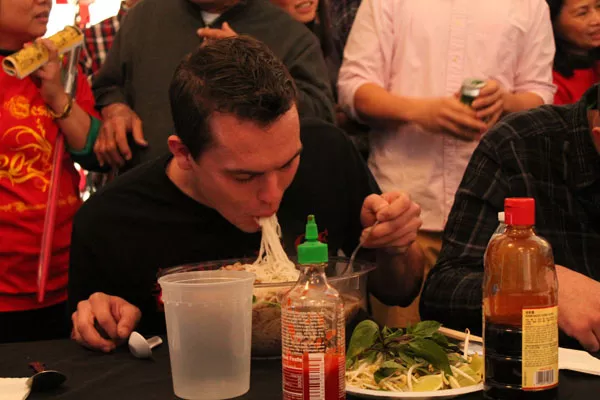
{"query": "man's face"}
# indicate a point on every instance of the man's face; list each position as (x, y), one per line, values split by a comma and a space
(246, 170)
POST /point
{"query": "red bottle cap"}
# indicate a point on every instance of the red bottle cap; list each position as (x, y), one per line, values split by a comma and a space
(519, 211)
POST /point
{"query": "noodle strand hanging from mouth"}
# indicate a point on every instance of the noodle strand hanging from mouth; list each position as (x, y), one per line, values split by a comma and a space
(272, 264)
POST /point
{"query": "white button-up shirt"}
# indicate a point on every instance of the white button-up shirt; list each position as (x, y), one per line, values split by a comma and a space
(426, 48)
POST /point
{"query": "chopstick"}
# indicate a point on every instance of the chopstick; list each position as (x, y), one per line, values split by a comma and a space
(458, 335)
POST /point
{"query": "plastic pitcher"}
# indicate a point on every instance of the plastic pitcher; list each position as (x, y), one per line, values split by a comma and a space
(209, 329)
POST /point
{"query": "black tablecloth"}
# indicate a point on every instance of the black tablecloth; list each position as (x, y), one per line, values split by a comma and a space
(120, 376)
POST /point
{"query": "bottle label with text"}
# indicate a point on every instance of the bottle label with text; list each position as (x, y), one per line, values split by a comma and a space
(540, 348)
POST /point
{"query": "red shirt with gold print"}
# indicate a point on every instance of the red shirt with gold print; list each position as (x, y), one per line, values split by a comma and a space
(27, 137)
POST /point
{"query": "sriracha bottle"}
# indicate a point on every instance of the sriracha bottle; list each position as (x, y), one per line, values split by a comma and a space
(312, 328)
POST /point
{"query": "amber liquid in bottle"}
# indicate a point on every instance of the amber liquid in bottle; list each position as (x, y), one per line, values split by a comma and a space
(520, 287)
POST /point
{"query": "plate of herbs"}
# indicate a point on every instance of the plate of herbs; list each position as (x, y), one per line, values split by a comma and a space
(416, 362)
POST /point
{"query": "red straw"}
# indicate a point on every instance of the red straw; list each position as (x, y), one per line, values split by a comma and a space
(50, 220)
(54, 190)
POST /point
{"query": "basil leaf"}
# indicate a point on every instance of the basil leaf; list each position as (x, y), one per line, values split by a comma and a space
(426, 328)
(392, 364)
(393, 334)
(432, 353)
(440, 339)
(454, 358)
(406, 360)
(350, 362)
(364, 336)
(371, 356)
(386, 331)
(384, 372)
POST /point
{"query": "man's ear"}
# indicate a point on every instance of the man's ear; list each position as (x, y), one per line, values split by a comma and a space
(180, 152)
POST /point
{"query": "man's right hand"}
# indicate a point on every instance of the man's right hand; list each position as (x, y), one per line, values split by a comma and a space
(113, 315)
(111, 146)
(449, 115)
(579, 307)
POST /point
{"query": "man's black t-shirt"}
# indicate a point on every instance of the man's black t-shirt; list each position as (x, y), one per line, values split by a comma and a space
(142, 223)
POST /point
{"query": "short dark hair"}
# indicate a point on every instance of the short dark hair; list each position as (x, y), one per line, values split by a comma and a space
(236, 75)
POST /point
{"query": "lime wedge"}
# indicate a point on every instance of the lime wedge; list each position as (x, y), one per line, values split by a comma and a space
(464, 381)
(428, 383)
(477, 364)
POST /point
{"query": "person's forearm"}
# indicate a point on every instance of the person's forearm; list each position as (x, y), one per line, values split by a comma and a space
(514, 102)
(374, 102)
(398, 277)
(452, 295)
(76, 126)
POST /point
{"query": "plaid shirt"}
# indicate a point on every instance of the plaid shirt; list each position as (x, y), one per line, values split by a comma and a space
(547, 154)
(98, 41)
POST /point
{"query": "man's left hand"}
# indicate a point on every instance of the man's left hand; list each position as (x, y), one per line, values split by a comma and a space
(399, 221)
(215, 33)
(489, 105)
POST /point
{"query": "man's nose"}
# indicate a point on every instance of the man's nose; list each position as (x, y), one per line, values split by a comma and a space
(270, 191)
(595, 16)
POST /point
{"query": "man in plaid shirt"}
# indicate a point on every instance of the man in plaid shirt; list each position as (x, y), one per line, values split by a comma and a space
(99, 39)
(551, 154)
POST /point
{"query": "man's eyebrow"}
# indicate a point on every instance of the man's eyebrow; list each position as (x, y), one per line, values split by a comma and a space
(256, 173)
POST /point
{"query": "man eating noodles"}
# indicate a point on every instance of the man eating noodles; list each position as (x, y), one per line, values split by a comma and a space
(239, 153)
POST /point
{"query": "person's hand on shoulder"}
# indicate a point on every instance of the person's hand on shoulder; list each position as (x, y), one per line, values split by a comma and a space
(111, 146)
(215, 33)
(103, 322)
(579, 307)
(399, 221)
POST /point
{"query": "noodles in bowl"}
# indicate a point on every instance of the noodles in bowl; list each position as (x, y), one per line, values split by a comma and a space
(276, 274)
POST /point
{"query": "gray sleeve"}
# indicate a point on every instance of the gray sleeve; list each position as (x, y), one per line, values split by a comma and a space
(307, 67)
(108, 83)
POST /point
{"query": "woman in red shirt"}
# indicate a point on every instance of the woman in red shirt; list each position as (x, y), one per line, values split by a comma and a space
(577, 36)
(32, 113)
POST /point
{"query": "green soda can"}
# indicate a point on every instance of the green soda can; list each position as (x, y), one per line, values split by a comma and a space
(470, 90)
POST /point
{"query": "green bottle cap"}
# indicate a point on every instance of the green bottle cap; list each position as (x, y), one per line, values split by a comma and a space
(312, 251)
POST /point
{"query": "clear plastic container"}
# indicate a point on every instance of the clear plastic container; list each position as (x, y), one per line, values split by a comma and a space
(209, 327)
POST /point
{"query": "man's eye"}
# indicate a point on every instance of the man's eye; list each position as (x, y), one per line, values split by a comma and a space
(288, 165)
(244, 178)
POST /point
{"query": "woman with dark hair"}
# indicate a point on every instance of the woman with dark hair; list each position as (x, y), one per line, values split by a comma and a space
(576, 26)
(315, 14)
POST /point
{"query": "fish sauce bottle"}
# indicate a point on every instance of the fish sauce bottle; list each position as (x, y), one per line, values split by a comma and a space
(520, 310)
